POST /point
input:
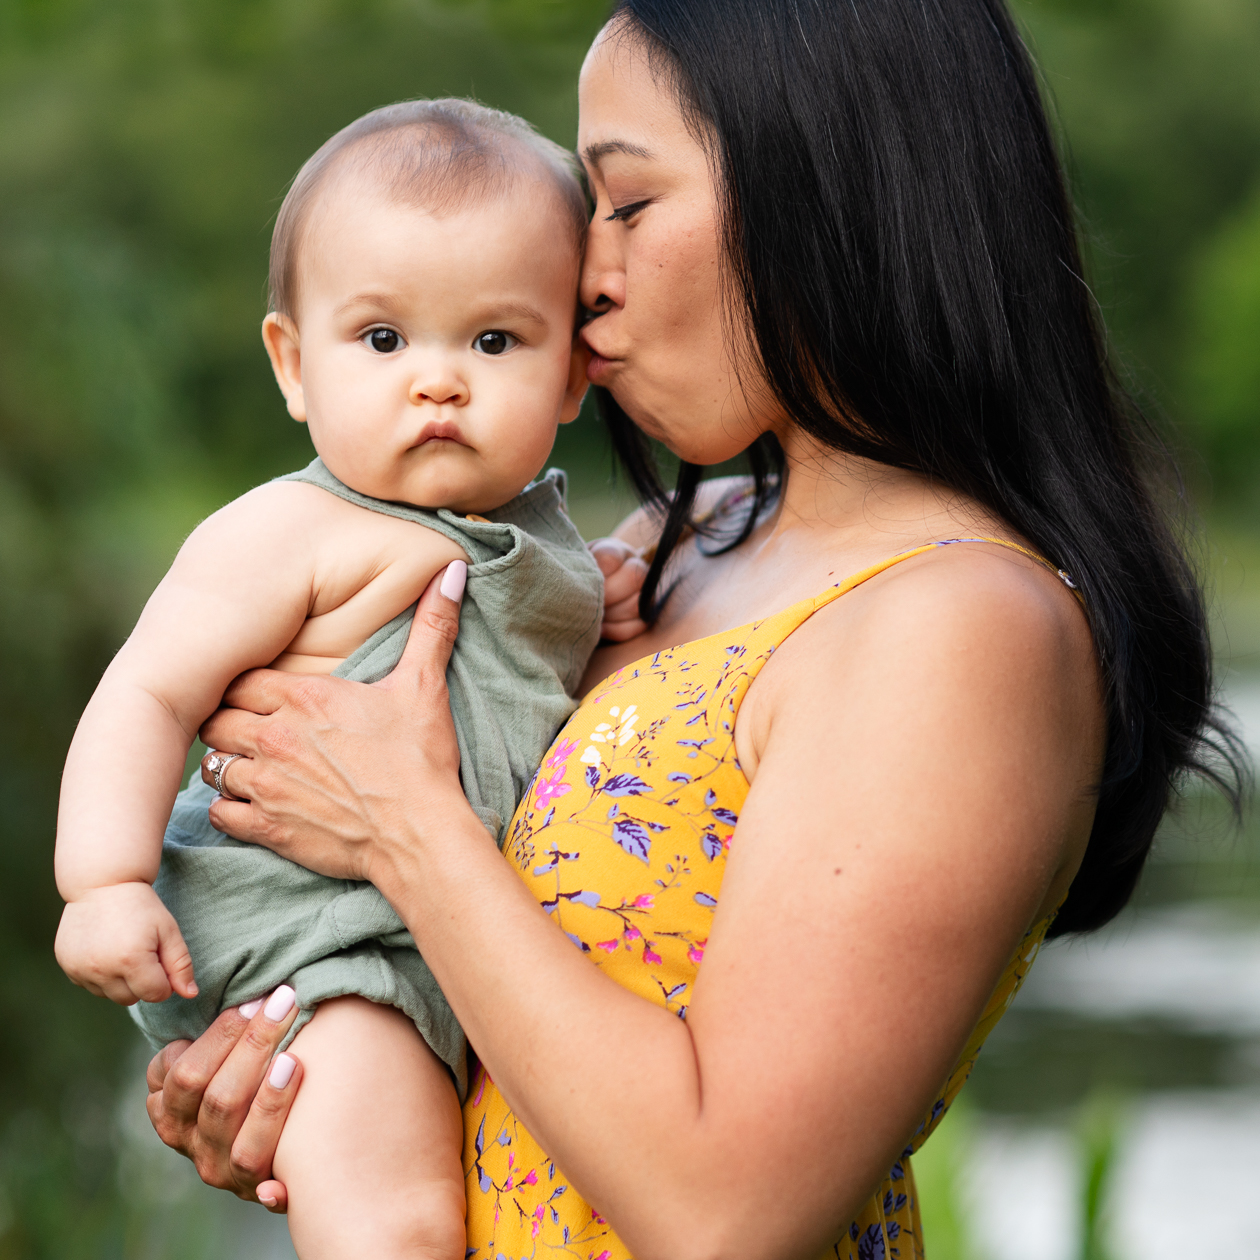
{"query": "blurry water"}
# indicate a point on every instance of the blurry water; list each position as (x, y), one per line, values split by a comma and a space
(1160, 1013)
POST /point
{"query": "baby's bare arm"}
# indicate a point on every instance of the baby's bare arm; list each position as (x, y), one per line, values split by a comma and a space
(286, 558)
(237, 593)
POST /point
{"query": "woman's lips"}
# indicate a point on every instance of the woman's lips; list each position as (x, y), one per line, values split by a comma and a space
(600, 365)
(597, 368)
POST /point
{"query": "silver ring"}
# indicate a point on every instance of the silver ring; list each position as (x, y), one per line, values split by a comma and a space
(217, 763)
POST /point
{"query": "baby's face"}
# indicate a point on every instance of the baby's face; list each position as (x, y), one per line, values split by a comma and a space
(433, 355)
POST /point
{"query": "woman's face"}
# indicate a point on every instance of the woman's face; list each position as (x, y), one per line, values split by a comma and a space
(654, 267)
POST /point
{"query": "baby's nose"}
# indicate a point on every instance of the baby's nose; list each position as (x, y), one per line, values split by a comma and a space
(438, 387)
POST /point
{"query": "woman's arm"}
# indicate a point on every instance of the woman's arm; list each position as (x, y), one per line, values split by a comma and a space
(923, 789)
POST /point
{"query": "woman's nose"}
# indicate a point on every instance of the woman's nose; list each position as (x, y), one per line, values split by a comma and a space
(603, 283)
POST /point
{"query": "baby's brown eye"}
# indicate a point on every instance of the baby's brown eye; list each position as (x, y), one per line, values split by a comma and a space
(384, 340)
(494, 342)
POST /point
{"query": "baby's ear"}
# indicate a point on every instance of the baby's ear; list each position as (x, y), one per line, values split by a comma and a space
(578, 383)
(280, 336)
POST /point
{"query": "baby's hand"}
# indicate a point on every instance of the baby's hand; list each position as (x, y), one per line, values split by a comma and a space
(624, 569)
(122, 943)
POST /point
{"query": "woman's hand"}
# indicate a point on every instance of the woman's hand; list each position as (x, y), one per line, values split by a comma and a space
(329, 769)
(222, 1100)
(334, 772)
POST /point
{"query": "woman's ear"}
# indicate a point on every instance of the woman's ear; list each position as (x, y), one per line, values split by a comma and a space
(578, 383)
(280, 336)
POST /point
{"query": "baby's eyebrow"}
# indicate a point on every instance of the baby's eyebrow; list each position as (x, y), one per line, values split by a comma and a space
(595, 153)
(386, 302)
(512, 310)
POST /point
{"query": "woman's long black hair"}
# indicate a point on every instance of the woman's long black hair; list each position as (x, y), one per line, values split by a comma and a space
(899, 230)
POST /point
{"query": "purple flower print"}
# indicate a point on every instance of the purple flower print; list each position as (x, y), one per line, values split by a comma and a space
(561, 753)
(546, 789)
(871, 1244)
(631, 836)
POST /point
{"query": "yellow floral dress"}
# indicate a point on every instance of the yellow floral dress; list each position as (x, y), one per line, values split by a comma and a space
(623, 837)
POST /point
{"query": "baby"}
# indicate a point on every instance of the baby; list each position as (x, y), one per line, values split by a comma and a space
(423, 277)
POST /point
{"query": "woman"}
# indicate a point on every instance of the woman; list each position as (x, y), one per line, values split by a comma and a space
(835, 237)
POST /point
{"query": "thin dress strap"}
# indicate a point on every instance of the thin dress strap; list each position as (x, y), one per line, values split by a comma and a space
(856, 579)
(770, 632)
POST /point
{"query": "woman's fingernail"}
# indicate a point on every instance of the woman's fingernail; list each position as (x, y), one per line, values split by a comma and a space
(267, 1200)
(280, 1003)
(281, 1072)
(453, 581)
(250, 1009)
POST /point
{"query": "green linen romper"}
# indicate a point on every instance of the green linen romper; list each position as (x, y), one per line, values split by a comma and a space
(253, 920)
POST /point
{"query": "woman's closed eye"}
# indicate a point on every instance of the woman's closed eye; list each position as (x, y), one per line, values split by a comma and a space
(621, 213)
(382, 340)
(495, 341)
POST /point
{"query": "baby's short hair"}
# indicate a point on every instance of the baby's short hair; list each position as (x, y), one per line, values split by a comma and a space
(440, 154)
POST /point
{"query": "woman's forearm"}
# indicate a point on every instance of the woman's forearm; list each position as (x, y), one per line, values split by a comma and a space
(607, 1082)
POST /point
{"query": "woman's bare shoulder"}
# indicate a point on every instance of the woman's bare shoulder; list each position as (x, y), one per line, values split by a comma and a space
(963, 711)
(978, 629)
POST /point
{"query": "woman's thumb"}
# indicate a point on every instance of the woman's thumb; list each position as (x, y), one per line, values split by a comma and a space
(435, 625)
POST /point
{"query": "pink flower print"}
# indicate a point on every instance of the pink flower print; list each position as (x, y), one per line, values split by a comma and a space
(511, 1158)
(649, 954)
(538, 1220)
(546, 789)
(562, 752)
(644, 902)
(607, 946)
(509, 1183)
(532, 1179)
(696, 952)
(632, 933)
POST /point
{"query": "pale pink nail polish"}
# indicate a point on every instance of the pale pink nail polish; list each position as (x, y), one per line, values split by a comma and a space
(280, 1003)
(250, 1009)
(267, 1200)
(453, 580)
(281, 1071)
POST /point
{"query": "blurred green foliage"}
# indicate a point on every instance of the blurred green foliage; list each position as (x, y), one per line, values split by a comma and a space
(144, 148)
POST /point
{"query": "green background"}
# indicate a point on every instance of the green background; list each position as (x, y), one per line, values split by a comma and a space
(144, 149)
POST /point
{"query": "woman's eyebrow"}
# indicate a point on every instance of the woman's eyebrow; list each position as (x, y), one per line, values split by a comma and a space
(595, 153)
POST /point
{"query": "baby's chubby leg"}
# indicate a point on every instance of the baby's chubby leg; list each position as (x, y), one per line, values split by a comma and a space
(371, 1152)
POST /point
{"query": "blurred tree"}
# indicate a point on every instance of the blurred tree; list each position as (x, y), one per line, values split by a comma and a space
(1158, 103)
(144, 148)
(1222, 377)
